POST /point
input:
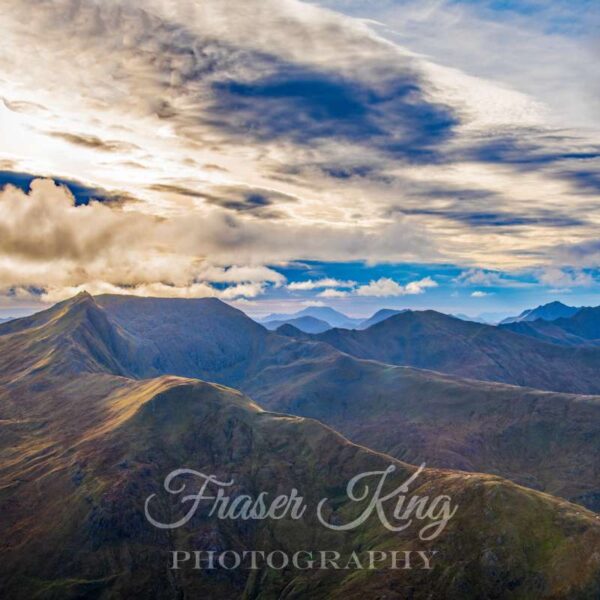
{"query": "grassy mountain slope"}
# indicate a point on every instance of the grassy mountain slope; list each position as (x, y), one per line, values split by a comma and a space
(545, 440)
(548, 441)
(73, 524)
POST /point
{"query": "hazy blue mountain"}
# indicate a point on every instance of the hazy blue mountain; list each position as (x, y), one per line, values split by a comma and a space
(323, 313)
(491, 318)
(380, 315)
(306, 324)
(464, 317)
(546, 312)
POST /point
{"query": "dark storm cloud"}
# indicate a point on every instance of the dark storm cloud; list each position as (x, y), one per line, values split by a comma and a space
(181, 190)
(257, 202)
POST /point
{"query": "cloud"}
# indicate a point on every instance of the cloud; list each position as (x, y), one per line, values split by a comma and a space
(273, 130)
(93, 142)
(307, 106)
(479, 277)
(386, 287)
(49, 242)
(565, 279)
(315, 284)
(482, 277)
(82, 193)
(255, 201)
(332, 293)
(479, 294)
(383, 287)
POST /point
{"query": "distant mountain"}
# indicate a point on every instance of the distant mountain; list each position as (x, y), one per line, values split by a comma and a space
(380, 315)
(323, 313)
(83, 445)
(491, 318)
(305, 324)
(432, 340)
(464, 317)
(546, 312)
(5, 319)
(581, 329)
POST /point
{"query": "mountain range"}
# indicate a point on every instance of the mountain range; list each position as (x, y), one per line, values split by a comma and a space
(100, 398)
(378, 401)
(435, 341)
(332, 317)
(306, 324)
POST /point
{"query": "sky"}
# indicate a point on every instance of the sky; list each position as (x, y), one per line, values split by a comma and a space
(276, 154)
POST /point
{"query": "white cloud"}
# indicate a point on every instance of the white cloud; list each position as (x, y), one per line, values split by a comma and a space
(333, 293)
(315, 284)
(479, 294)
(47, 242)
(564, 279)
(480, 277)
(386, 287)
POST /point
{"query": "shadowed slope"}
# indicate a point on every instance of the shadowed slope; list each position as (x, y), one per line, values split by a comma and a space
(201, 337)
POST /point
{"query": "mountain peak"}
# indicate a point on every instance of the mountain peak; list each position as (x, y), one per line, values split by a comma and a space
(381, 315)
(546, 312)
(331, 316)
